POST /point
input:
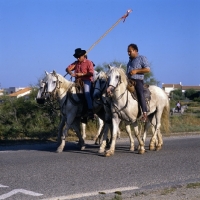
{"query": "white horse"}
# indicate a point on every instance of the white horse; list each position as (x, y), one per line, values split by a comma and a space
(125, 107)
(99, 96)
(43, 96)
(182, 110)
(55, 87)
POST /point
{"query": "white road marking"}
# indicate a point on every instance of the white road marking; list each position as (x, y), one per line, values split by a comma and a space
(3, 185)
(75, 196)
(13, 192)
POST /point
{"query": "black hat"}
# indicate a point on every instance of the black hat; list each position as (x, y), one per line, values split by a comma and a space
(79, 52)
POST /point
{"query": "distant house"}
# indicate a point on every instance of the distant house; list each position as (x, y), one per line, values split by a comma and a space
(11, 90)
(21, 93)
(1, 92)
(170, 87)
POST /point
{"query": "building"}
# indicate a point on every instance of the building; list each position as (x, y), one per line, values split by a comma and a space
(11, 90)
(1, 92)
(171, 86)
(21, 93)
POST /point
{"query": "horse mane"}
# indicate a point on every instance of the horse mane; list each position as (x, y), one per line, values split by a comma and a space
(65, 83)
(100, 75)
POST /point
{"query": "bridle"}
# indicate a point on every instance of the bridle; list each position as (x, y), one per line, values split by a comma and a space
(117, 110)
(102, 87)
(51, 97)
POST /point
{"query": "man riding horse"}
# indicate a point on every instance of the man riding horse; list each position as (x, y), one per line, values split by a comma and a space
(83, 70)
(136, 67)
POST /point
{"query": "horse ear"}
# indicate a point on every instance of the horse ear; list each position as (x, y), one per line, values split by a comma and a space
(54, 72)
(46, 73)
(120, 66)
(109, 66)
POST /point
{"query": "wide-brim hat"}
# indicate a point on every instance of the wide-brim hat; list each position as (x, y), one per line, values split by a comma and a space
(79, 52)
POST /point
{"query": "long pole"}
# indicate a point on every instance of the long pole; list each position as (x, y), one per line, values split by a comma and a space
(122, 18)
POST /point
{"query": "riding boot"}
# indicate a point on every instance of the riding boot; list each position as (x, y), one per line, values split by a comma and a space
(91, 115)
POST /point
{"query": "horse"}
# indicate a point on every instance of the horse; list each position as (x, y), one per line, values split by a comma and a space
(125, 107)
(99, 96)
(182, 110)
(54, 87)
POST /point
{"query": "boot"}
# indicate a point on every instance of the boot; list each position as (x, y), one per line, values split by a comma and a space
(91, 115)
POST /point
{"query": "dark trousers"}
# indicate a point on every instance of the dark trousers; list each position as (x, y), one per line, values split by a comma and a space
(140, 94)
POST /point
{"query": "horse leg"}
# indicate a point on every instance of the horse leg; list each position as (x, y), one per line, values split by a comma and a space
(105, 135)
(146, 128)
(118, 134)
(141, 149)
(115, 128)
(62, 138)
(83, 127)
(99, 132)
(156, 140)
(60, 130)
(77, 128)
(128, 131)
(160, 141)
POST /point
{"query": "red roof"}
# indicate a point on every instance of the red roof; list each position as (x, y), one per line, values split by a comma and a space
(15, 94)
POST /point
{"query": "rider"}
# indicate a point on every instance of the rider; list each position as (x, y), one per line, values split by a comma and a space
(136, 67)
(178, 106)
(84, 70)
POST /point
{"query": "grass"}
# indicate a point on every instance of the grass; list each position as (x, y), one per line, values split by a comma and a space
(185, 123)
(168, 191)
(193, 185)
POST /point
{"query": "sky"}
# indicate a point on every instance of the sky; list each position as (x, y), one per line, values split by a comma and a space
(41, 35)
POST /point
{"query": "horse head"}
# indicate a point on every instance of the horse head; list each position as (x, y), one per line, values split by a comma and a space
(116, 75)
(100, 84)
(41, 95)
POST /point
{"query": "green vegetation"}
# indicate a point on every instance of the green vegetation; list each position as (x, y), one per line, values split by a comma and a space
(193, 185)
(25, 119)
(22, 119)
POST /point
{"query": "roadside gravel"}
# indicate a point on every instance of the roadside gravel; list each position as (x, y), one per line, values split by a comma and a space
(173, 193)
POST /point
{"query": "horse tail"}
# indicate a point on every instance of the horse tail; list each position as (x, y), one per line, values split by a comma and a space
(165, 118)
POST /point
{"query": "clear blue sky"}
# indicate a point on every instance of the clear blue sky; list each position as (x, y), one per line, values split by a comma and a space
(39, 35)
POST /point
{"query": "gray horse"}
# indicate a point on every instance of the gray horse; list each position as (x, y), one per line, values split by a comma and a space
(55, 87)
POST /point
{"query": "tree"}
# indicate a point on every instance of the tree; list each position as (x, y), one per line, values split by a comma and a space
(189, 93)
(176, 94)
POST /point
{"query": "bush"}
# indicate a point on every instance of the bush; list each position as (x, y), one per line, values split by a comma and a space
(21, 118)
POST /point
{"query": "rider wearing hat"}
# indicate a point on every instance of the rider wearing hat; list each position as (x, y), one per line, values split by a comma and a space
(84, 70)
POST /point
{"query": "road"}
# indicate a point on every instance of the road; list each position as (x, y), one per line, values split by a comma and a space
(32, 172)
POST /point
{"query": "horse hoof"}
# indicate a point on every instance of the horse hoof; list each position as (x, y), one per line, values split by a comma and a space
(141, 151)
(151, 148)
(101, 151)
(109, 153)
(59, 151)
(158, 148)
(132, 149)
(82, 148)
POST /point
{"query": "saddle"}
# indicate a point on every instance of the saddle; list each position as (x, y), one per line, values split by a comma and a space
(79, 84)
(147, 93)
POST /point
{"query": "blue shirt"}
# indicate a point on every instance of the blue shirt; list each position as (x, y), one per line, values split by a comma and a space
(137, 63)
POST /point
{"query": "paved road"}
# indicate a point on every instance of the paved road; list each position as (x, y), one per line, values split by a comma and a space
(32, 172)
